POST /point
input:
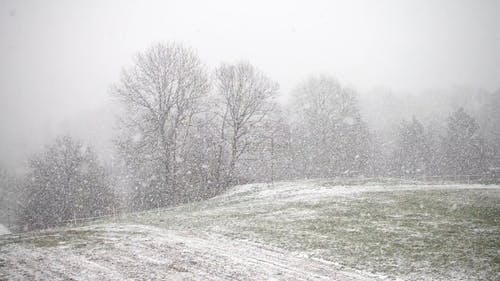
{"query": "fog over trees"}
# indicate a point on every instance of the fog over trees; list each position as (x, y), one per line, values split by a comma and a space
(188, 132)
(224, 98)
(64, 183)
(250, 140)
(162, 93)
(245, 102)
(329, 136)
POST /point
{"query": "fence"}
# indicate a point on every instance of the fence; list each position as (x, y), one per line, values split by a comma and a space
(81, 220)
(463, 179)
(417, 179)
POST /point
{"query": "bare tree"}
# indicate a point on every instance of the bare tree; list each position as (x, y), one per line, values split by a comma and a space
(411, 156)
(245, 98)
(329, 135)
(9, 197)
(63, 183)
(162, 93)
(463, 147)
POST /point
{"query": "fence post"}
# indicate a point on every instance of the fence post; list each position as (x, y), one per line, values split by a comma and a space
(272, 160)
(8, 218)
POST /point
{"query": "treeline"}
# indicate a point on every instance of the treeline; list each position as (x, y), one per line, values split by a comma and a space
(458, 150)
(187, 133)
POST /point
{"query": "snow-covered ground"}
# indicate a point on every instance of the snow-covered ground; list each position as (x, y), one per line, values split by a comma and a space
(303, 230)
(4, 230)
(140, 252)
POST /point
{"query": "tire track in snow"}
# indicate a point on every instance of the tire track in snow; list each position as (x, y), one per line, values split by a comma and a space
(138, 252)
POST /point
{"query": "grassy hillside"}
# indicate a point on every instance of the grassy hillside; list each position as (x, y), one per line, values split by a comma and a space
(301, 230)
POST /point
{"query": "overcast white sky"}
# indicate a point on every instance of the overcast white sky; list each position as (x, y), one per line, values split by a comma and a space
(60, 57)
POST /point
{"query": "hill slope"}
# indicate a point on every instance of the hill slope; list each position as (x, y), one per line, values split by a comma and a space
(304, 230)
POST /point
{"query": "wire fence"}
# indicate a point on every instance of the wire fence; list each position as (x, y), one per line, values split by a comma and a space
(409, 180)
(113, 216)
(463, 179)
(80, 220)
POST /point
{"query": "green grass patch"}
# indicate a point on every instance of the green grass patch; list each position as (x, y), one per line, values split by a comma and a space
(397, 233)
(447, 234)
(400, 233)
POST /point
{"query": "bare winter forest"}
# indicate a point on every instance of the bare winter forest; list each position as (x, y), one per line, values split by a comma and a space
(172, 140)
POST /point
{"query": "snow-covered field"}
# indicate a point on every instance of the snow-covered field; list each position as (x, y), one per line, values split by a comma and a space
(3, 230)
(140, 252)
(304, 230)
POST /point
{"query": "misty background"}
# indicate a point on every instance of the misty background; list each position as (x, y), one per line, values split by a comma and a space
(321, 138)
(59, 58)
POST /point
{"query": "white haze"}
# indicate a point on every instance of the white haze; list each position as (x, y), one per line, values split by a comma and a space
(58, 58)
